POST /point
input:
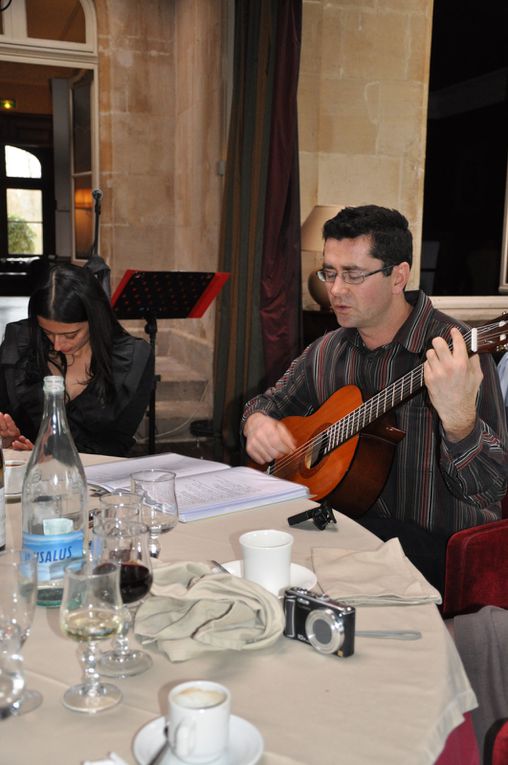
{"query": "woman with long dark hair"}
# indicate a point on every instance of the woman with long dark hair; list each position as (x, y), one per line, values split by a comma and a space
(72, 331)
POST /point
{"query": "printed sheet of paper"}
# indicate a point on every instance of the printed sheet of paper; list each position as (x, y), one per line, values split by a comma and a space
(204, 488)
(116, 475)
(225, 491)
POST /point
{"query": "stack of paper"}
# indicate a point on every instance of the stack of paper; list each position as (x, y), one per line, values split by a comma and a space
(204, 488)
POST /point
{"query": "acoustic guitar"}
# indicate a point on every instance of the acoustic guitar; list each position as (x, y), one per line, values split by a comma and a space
(345, 449)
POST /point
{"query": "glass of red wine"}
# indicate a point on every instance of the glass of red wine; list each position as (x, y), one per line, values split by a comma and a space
(124, 542)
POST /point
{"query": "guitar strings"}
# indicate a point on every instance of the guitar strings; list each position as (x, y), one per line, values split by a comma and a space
(352, 424)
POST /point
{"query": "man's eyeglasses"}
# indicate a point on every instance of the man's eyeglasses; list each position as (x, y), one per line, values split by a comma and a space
(348, 277)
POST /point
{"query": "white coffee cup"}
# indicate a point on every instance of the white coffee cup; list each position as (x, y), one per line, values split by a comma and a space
(199, 720)
(14, 474)
(267, 558)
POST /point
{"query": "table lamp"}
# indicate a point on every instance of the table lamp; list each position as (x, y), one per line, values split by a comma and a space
(312, 250)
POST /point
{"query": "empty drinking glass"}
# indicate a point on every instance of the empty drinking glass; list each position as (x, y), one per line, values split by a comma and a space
(160, 509)
(18, 594)
(12, 681)
(119, 504)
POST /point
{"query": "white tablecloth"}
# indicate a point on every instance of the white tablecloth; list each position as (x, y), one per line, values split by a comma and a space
(392, 702)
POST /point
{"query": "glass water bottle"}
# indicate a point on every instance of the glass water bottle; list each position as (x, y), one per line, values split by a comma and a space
(54, 497)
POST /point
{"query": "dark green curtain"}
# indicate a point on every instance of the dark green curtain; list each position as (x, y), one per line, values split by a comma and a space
(258, 328)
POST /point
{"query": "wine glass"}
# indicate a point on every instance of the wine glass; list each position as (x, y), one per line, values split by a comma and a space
(160, 509)
(120, 504)
(91, 610)
(125, 543)
(12, 680)
(18, 595)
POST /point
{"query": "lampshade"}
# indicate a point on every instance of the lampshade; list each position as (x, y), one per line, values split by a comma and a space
(83, 199)
(312, 228)
(312, 242)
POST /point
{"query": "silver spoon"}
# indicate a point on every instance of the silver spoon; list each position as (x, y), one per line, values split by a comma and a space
(217, 568)
(161, 753)
(387, 634)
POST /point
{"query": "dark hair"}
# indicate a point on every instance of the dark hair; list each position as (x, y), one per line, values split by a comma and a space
(392, 241)
(71, 294)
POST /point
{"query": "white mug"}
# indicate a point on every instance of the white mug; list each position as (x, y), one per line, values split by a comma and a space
(199, 720)
(267, 558)
(14, 474)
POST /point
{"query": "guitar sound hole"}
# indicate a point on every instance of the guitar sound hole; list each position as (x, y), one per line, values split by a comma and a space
(317, 451)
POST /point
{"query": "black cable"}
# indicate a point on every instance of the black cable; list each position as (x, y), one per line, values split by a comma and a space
(4, 7)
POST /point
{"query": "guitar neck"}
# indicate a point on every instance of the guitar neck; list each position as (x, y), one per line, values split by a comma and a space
(374, 408)
(383, 402)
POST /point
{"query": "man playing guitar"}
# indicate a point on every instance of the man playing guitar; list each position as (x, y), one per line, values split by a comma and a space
(412, 367)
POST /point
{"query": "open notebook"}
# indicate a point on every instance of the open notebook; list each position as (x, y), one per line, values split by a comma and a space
(203, 488)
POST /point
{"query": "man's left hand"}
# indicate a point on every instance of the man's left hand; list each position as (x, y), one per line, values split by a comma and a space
(453, 380)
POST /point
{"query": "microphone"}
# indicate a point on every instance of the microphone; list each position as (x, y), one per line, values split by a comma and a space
(97, 195)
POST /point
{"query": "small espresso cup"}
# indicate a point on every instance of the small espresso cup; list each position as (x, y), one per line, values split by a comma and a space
(199, 721)
(267, 558)
(14, 474)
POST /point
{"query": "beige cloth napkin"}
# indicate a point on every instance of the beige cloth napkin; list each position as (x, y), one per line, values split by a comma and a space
(383, 576)
(191, 610)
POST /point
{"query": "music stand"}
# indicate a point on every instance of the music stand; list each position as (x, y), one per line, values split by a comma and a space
(153, 295)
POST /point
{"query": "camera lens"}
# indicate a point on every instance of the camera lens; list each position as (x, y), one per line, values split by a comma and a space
(324, 630)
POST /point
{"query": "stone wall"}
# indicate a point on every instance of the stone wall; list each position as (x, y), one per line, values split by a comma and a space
(161, 138)
(363, 105)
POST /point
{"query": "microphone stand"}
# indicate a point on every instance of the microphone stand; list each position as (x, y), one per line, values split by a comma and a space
(97, 195)
(97, 265)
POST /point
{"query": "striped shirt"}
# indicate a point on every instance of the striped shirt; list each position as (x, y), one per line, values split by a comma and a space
(442, 486)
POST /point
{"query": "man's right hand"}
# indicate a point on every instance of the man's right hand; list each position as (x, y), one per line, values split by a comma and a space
(267, 439)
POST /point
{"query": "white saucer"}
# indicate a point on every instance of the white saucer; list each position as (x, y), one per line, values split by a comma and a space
(299, 575)
(245, 744)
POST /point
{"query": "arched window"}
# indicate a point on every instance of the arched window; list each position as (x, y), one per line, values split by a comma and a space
(63, 20)
(23, 186)
(48, 66)
(41, 26)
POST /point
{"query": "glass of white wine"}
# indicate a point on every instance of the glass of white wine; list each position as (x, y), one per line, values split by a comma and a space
(160, 509)
(91, 611)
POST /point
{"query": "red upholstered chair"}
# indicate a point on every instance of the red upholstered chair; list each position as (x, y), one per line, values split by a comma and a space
(477, 568)
(496, 744)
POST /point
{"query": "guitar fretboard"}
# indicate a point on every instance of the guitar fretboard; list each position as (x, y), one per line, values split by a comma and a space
(371, 410)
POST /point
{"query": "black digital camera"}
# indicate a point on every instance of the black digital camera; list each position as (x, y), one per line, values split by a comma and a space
(329, 626)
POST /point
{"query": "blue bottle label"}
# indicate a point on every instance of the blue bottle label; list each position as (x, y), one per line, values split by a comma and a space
(54, 552)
